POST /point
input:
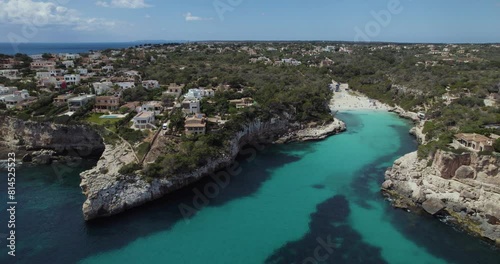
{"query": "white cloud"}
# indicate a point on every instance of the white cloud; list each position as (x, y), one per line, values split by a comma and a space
(190, 17)
(132, 4)
(41, 14)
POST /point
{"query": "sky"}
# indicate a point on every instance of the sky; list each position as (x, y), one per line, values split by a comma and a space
(443, 21)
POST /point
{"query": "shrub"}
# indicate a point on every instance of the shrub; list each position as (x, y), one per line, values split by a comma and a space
(129, 168)
(496, 145)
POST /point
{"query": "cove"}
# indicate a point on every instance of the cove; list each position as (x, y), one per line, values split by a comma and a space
(288, 201)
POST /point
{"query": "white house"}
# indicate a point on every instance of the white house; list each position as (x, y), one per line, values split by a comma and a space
(12, 100)
(144, 120)
(125, 85)
(82, 71)
(95, 56)
(77, 102)
(43, 75)
(36, 56)
(7, 90)
(153, 106)
(150, 84)
(131, 73)
(56, 72)
(72, 79)
(108, 68)
(69, 56)
(191, 106)
(102, 87)
(9, 73)
(68, 63)
(199, 93)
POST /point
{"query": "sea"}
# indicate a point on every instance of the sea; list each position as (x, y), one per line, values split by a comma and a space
(313, 202)
(56, 48)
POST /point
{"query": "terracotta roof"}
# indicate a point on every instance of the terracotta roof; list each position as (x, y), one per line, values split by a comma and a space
(472, 137)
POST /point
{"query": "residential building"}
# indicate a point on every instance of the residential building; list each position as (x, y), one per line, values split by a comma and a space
(243, 102)
(475, 142)
(72, 79)
(62, 99)
(132, 73)
(69, 56)
(12, 100)
(133, 106)
(191, 106)
(82, 71)
(95, 56)
(7, 90)
(69, 63)
(195, 125)
(199, 93)
(291, 61)
(79, 101)
(125, 85)
(9, 73)
(102, 87)
(43, 65)
(153, 106)
(36, 56)
(174, 90)
(107, 103)
(43, 75)
(144, 120)
(107, 68)
(150, 84)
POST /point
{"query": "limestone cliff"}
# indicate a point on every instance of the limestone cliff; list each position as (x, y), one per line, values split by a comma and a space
(465, 187)
(109, 193)
(48, 139)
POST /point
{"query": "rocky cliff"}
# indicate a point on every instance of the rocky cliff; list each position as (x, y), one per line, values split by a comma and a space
(464, 187)
(109, 193)
(46, 141)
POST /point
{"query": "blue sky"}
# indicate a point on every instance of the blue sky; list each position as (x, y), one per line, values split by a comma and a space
(348, 20)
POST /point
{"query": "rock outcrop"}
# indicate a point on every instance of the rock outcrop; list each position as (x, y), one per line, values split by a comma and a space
(405, 114)
(467, 187)
(109, 193)
(315, 132)
(44, 141)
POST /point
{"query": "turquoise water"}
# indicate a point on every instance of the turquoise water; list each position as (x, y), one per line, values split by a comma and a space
(109, 117)
(298, 203)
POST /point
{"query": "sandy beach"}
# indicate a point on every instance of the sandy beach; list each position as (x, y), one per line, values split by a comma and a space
(346, 99)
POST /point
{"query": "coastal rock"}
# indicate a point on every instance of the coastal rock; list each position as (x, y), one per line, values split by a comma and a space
(433, 206)
(448, 163)
(313, 133)
(24, 137)
(405, 114)
(387, 185)
(465, 172)
(466, 186)
(27, 158)
(42, 157)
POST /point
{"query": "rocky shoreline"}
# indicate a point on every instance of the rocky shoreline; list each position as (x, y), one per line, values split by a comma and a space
(462, 187)
(44, 142)
(109, 193)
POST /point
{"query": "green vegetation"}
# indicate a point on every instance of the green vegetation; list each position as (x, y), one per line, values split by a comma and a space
(129, 168)
(496, 145)
(193, 153)
(142, 149)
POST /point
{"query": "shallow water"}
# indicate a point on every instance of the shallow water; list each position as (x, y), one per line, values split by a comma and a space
(298, 203)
